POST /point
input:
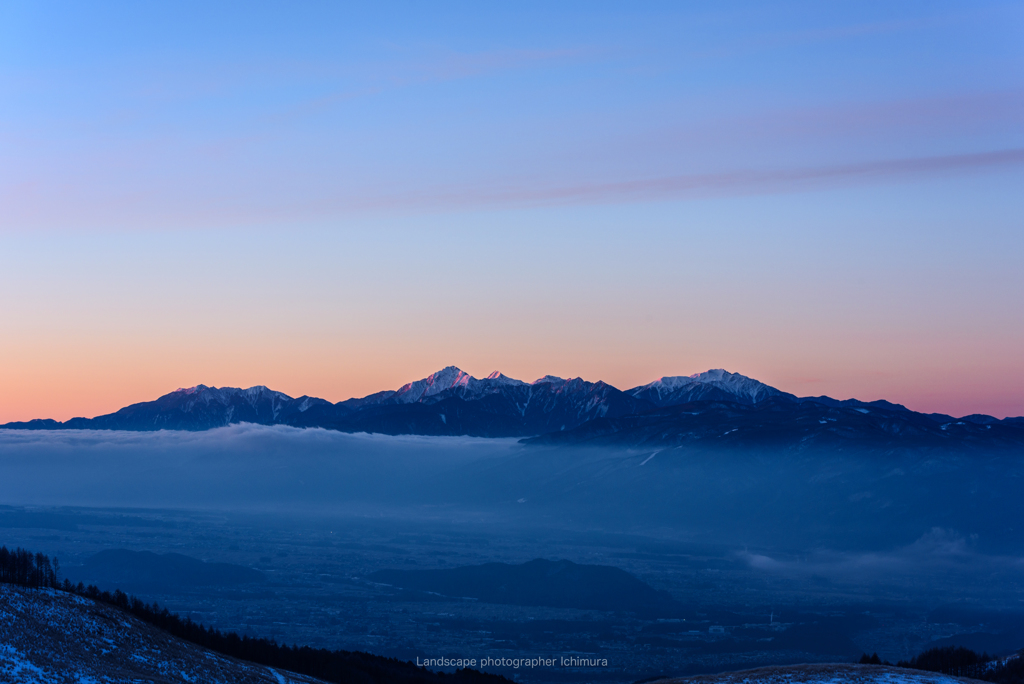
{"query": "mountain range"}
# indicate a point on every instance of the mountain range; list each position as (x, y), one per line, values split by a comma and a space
(711, 407)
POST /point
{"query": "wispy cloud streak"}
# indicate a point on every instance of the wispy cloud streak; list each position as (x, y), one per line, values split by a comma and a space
(25, 205)
(728, 183)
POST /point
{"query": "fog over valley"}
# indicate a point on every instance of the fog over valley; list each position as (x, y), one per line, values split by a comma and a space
(842, 499)
(715, 528)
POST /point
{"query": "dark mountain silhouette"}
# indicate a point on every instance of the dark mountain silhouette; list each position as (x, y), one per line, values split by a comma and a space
(484, 408)
(449, 402)
(712, 385)
(135, 569)
(779, 422)
(714, 406)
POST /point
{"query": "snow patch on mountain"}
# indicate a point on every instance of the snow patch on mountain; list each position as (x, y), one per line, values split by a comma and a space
(451, 379)
(224, 395)
(446, 379)
(497, 378)
(712, 384)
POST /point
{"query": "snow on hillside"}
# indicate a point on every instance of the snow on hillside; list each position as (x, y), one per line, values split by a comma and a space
(50, 637)
(828, 673)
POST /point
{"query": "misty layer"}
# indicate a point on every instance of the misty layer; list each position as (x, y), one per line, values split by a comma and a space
(844, 500)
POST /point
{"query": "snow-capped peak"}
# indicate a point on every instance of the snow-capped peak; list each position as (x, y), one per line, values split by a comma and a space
(446, 379)
(699, 385)
(190, 390)
(223, 395)
(497, 378)
(257, 391)
(548, 379)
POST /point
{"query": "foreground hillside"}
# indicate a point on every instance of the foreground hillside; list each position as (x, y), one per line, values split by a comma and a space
(829, 673)
(53, 636)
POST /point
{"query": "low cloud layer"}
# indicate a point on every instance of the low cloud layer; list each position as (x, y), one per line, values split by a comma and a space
(844, 512)
(943, 560)
(240, 466)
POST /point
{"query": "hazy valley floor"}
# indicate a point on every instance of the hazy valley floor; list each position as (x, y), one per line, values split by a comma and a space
(734, 614)
(772, 558)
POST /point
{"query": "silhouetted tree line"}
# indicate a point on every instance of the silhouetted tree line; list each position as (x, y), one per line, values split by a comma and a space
(22, 567)
(351, 667)
(953, 660)
(960, 662)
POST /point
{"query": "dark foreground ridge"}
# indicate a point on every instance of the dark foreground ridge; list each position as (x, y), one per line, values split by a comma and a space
(961, 662)
(711, 407)
(38, 572)
(828, 673)
(50, 631)
(936, 666)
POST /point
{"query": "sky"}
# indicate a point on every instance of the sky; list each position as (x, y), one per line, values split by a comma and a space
(334, 200)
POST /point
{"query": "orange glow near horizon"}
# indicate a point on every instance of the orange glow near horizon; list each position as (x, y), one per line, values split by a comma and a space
(63, 390)
(98, 323)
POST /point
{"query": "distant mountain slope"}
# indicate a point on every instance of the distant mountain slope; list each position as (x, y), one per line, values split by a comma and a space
(449, 402)
(133, 570)
(558, 584)
(712, 385)
(778, 422)
(54, 637)
(493, 407)
(193, 408)
(452, 402)
(829, 673)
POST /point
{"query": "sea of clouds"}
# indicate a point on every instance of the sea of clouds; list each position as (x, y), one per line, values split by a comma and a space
(236, 467)
(847, 517)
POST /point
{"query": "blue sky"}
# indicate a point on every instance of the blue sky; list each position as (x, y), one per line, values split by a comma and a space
(333, 200)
